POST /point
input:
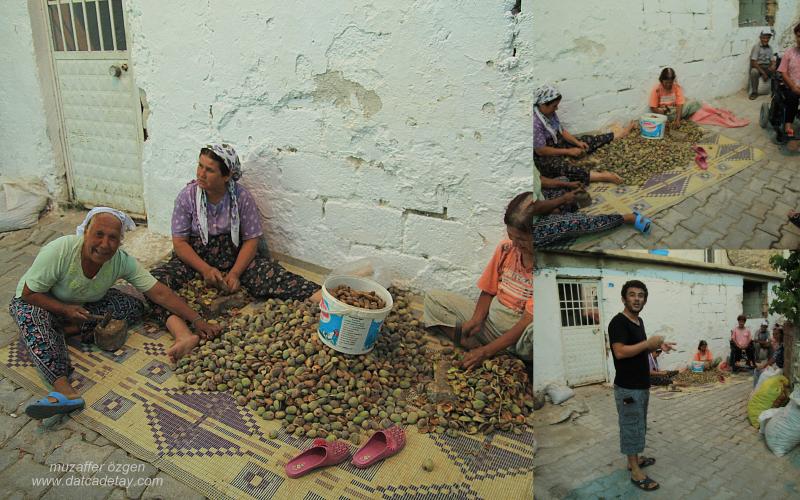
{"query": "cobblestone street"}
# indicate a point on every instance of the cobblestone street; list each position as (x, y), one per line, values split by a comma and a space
(28, 447)
(703, 444)
(747, 210)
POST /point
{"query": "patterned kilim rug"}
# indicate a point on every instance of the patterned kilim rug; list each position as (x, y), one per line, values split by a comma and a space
(223, 450)
(725, 158)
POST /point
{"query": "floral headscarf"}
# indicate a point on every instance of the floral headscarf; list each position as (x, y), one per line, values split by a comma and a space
(231, 159)
(544, 94)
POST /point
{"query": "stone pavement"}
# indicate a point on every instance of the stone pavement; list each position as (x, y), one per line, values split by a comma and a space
(747, 210)
(703, 444)
(29, 447)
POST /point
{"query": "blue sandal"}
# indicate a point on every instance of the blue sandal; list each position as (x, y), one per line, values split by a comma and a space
(45, 408)
(642, 224)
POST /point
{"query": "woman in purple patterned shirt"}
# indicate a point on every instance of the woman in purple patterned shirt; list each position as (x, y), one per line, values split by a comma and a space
(215, 231)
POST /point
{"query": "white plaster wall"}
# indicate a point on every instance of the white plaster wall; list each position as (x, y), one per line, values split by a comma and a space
(348, 116)
(606, 59)
(27, 152)
(685, 307)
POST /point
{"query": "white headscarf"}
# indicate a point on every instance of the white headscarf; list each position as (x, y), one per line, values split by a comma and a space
(231, 159)
(544, 94)
(127, 222)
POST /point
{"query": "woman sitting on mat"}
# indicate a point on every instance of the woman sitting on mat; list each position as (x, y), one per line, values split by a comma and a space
(556, 218)
(553, 145)
(215, 230)
(503, 316)
(704, 354)
(69, 285)
(667, 98)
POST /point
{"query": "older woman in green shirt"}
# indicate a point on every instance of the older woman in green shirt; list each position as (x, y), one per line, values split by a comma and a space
(69, 285)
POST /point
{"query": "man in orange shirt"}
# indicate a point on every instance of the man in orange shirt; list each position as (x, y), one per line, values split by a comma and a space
(741, 340)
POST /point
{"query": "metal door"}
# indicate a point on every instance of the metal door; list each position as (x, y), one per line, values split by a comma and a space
(99, 102)
(582, 335)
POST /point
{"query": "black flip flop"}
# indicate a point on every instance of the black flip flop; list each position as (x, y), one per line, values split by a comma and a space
(646, 462)
(644, 483)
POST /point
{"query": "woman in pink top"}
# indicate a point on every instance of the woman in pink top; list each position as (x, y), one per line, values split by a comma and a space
(741, 340)
(667, 98)
(790, 71)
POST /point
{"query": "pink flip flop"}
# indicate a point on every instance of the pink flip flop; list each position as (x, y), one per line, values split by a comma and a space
(700, 151)
(382, 444)
(701, 161)
(321, 454)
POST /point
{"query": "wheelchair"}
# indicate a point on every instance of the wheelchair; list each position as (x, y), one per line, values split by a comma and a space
(773, 113)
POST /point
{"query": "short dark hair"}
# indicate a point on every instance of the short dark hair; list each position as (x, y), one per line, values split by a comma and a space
(223, 167)
(666, 74)
(741, 316)
(519, 213)
(633, 284)
(701, 344)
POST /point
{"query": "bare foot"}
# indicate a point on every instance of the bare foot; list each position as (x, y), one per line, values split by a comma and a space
(63, 386)
(626, 131)
(605, 176)
(182, 347)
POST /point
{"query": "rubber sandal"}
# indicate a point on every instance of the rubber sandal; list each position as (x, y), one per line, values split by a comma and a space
(321, 454)
(642, 485)
(646, 462)
(642, 224)
(381, 445)
(701, 162)
(700, 150)
(45, 408)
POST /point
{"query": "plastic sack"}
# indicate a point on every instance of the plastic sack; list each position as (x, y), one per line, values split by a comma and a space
(368, 267)
(764, 397)
(768, 372)
(765, 416)
(21, 201)
(559, 393)
(783, 429)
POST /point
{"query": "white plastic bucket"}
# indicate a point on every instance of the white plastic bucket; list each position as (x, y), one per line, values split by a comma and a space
(652, 125)
(349, 329)
(698, 366)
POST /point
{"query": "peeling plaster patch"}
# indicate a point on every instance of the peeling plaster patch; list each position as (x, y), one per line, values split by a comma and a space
(589, 46)
(302, 67)
(355, 161)
(488, 108)
(356, 45)
(331, 86)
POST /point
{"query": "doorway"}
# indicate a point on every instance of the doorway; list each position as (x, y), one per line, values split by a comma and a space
(98, 101)
(582, 337)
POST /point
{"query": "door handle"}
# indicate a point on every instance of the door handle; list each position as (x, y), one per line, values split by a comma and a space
(116, 71)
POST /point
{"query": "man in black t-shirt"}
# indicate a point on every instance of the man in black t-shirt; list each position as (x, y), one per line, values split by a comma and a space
(630, 347)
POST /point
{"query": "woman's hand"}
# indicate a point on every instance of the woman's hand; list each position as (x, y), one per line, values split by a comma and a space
(75, 313)
(568, 197)
(471, 327)
(575, 152)
(213, 277)
(475, 357)
(232, 282)
(205, 329)
(668, 346)
(677, 122)
(584, 146)
(572, 185)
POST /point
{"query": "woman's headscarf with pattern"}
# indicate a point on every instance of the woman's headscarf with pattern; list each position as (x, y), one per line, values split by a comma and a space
(231, 159)
(544, 94)
(127, 222)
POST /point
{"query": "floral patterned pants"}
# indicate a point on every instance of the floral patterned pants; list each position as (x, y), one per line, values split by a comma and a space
(560, 166)
(570, 224)
(263, 278)
(40, 329)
